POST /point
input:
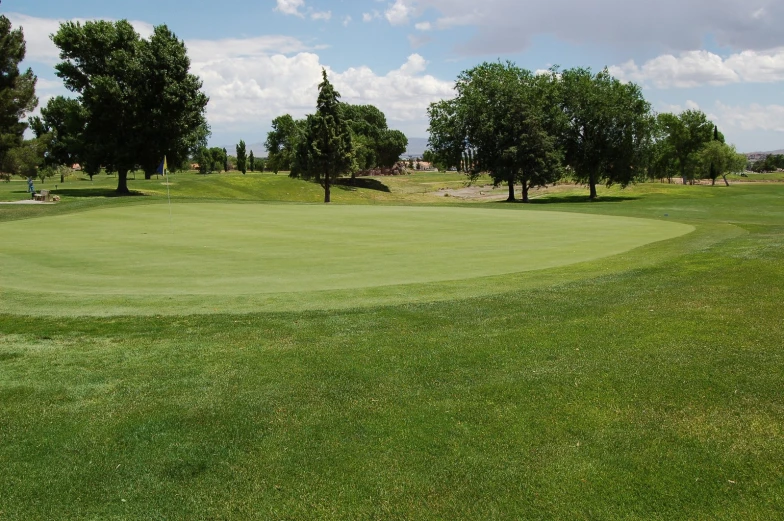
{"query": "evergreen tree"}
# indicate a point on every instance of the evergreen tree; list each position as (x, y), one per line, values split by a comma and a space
(225, 161)
(242, 157)
(251, 161)
(325, 151)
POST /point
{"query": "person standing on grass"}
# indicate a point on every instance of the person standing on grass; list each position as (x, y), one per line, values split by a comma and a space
(30, 187)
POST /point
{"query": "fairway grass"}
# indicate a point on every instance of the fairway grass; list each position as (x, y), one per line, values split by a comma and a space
(227, 251)
(641, 385)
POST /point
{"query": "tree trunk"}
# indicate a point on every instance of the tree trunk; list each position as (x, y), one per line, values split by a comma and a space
(592, 185)
(525, 191)
(122, 182)
(713, 181)
(511, 197)
(326, 189)
(725, 180)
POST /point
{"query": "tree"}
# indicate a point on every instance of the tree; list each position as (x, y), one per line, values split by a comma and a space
(609, 128)
(503, 123)
(26, 159)
(325, 151)
(65, 120)
(282, 142)
(375, 145)
(447, 136)
(242, 157)
(251, 161)
(718, 159)
(140, 101)
(17, 90)
(686, 134)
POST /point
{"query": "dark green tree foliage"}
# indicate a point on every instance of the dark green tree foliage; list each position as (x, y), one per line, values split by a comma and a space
(508, 131)
(447, 139)
(17, 90)
(173, 101)
(225, 160)
(251, 162)
(375, 145)
(282, 142)
(325, 151)
(140, 101)
(771, 163)
(64, 120)
(609, 128)
(684, 136)
(242, 158)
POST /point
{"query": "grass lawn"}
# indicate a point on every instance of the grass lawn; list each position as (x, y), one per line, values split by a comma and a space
(643, 382)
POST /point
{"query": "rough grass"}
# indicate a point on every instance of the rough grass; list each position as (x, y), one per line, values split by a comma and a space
(647, 386)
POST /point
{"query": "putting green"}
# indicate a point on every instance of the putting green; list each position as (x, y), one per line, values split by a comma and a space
(256, 249)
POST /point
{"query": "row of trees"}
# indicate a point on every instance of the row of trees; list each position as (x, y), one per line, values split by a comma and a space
(338, 139)
(533, 129)
(771, 163)
(135, 102)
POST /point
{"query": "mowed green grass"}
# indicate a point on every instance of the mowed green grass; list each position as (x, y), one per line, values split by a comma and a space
(229, 250)
(644, 385)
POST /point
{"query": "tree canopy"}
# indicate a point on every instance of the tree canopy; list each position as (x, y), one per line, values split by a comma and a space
(139, 100)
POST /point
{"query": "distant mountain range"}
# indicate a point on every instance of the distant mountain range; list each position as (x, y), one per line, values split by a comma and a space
(771, 152)
(416, 147)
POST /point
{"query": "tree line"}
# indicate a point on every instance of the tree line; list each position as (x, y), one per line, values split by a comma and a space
(531, 130)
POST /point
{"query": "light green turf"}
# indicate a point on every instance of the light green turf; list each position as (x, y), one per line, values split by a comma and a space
(230, 250)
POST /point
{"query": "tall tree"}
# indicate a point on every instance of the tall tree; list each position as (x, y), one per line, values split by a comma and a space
(686, 134)
(225, 160)
(242, 157)
(65, 120)
(134, 108)
(609, 128)
(325, 151)
(17, 90)
(172, 101)
(447, 139)
(501, 120)
(282, 142)
(251, 162)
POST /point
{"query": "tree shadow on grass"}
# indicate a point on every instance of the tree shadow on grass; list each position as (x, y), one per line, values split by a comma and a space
(572, 199)
(362, 182)
(94, 192)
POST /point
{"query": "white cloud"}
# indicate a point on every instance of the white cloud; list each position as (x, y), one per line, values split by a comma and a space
(40, 48)
(249, 91)
(398, 13)
(697, 68)
(290, 7)
(506, 26)
(321, 15)
(751, 117)
(423, 26)
(347, 20)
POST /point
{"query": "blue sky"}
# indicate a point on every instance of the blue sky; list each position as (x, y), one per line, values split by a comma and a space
(260, 59)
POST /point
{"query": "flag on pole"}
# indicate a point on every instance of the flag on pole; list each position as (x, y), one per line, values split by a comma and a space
(163, 167)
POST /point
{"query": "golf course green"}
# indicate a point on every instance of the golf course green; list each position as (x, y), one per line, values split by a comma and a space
(226, 249)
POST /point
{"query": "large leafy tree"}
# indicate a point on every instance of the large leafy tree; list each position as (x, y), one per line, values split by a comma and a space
(447, 140)
(608, 130)
(17, 89)
(685, 135)
(139, 99)
(717, 159)
(282, 142)
(325, 150)
(500, 123)
(64, 120)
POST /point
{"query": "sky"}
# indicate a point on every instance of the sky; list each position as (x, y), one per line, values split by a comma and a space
(260, 59)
